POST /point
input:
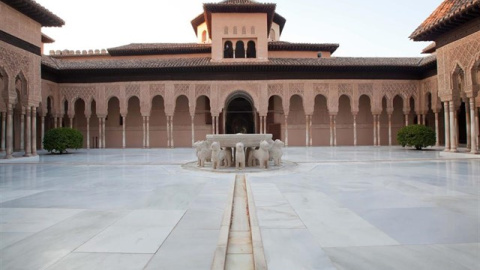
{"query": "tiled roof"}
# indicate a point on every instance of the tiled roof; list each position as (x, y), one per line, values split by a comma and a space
(288, 46)
(160, 48)
(450, 14)
(182, 63)
(36, 12)
(431, 48)
(187, 48)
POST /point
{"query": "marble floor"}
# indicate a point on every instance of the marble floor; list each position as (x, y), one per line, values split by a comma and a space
(336, 208)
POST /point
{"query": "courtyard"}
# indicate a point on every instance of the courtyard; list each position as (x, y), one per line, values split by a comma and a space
(334, 208)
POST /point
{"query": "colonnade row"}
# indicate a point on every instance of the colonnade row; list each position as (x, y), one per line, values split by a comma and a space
(452, 125)
(28, 131)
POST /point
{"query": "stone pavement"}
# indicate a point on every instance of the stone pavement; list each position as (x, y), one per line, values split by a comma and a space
(337, 208)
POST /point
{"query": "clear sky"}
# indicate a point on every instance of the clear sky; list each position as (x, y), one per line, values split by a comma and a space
(362, 27)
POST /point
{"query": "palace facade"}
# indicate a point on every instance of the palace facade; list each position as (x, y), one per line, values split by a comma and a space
(238, 77)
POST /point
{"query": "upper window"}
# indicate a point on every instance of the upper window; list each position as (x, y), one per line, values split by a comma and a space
(234, 30)
(225, 30)
(252, 30)
(240, 50)
(251, 50)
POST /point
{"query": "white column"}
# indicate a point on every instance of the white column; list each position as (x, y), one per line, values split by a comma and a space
(437, 130)
(171, 132)
(335, 130)
(286, 129)
(374, 130)
(88, 132)
(217, 126)
(419, 119)
(307, 132)
(100, 145)
(28, 133)
(424, 119)
(406, 119)
(34, 131)
(378, 131)
(42, 135)
(193, 129)
(9, 153)
(446, 107)
(311, 129)
(355, 130)
(467, 116)
(4, 133)
(54, 122)
(473, 128)
(104, 142)
(22, 131)
(390, 129)
(71, 121)
(148, 131)
(453, 139)
(331, 130)
(124, 135)
(144, 132)
(168, 130)
(213, 124)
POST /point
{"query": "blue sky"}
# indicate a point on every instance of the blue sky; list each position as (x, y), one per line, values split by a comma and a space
(368, 28)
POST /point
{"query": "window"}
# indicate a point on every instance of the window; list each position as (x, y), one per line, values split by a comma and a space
(234, 30)
(204, 36)
(252, 30)
(228, 50)
(319, 55)
(240, 50)
(244, 30)
(225, 30)
(251, 50)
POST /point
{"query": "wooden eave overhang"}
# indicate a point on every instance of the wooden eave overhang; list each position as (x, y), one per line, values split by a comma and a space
(36, 12)
(448, 16)
(252, 7)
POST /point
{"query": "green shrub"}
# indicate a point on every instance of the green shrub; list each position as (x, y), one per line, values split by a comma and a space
(418, 136)
(60, 139)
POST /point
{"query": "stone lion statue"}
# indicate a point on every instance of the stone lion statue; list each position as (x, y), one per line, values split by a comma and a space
(218, 155)
(239, 156)
(262, 154)
(276, 152)
(203, 152)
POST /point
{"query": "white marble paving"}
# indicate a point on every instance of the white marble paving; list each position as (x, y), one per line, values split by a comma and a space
(336, 208)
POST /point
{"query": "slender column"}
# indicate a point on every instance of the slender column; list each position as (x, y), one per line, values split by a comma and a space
(331, 130)
(265, 124)
(355, 129)
(34, 131)
(4, 133)
(22, 131)
(9, 153)
(437, 130)
(28, 135)
(171, 132)
(453, 139)
(71, 121)
(124, 139)
(378, 131)
(424, 119)
(307, 131)
(55, 124)
(311, 129)
(419, 119)
(335, 130)
(473, 128)
(447, 125)
(286, 129)
(143, 132)
(374, 130)
(467, 116)
(148, 131)
(406, 119)
(100, 133)
(88, 132)
(193, 129)
(217, 125)
(42, 135)
(104, 133)
(213, 124)
(390, 129)
(261, 125)
(476, 129)
(168, 130)
(455, 116)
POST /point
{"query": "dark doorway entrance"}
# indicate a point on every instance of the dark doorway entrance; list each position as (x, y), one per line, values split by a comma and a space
(240, 115)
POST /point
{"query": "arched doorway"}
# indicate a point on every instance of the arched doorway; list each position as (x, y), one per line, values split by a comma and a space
(240, 114)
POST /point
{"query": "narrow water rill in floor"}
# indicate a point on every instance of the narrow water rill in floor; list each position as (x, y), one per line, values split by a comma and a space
(240, 246)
